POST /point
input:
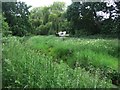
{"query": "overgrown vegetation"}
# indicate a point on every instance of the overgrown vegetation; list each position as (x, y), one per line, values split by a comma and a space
(86, 59)
(43, 61)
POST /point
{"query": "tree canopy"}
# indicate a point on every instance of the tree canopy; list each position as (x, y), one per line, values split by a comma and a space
(80, 18)
(17, 17)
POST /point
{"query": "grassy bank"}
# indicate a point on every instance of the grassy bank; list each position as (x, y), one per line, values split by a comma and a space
(48, 61)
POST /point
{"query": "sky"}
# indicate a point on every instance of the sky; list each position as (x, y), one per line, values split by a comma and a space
(38, 3)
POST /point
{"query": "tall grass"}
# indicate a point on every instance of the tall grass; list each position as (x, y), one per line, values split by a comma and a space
(39, 62)
(100, 53)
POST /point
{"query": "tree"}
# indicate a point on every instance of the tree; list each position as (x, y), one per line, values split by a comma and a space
(5, 28)
(57, 9)
(46, 13)
(48, 17)
(117, 19)
(16, 14)
(84, 18)
(38, 16)
(73, 16)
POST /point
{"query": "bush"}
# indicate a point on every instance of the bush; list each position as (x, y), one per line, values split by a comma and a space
(42, 30)
(5, 27)
(19, 30)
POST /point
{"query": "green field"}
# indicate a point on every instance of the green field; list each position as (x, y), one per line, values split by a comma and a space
(54, 62)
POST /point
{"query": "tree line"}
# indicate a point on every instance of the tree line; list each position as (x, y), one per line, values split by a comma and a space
(79, 18)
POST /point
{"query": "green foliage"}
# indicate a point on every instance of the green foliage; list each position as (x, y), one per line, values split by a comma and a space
(57, 7)
(17, 17)
(40, 70)
(118, 18)
(19, 30)
(42, 30)
(73, 16)
(5, 28)
(50, 18)
(83, 16)
(80, 52)
(80, 18)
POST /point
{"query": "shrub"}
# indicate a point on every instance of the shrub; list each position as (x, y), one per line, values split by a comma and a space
(42, 30)
(5, 27)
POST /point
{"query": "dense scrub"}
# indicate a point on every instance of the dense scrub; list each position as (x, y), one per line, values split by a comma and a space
(48, 61)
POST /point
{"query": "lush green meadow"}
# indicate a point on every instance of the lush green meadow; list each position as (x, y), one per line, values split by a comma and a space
(54, 62)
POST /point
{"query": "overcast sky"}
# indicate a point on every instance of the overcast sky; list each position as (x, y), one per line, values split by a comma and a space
(38, 3)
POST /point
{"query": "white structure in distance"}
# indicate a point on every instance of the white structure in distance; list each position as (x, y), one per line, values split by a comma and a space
(62, 34)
